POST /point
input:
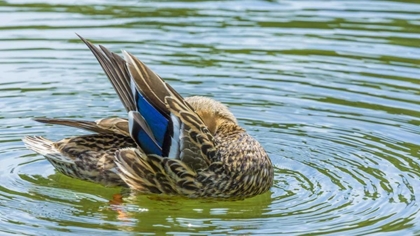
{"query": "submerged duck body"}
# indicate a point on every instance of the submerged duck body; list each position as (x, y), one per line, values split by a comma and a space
(192, 147)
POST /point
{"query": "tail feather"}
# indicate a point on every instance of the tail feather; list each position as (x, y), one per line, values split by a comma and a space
(46, 148)
(81, 162)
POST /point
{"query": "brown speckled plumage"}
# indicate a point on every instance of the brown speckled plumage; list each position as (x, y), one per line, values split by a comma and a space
(214, 156)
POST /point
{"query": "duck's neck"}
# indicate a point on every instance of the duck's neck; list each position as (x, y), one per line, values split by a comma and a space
(228, 128)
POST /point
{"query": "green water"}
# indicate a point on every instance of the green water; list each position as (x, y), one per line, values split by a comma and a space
(330, 88)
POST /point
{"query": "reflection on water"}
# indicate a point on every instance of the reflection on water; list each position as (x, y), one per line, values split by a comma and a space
(331, 89)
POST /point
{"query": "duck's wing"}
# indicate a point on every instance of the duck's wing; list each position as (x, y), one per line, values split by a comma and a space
(116, 70)
(102, 126)
(160, 120)
(191, 140)
(154, 174)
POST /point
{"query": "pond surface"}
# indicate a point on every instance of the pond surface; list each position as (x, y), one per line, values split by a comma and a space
(330, 88)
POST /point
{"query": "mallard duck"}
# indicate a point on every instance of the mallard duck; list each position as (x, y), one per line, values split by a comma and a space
(191, 147)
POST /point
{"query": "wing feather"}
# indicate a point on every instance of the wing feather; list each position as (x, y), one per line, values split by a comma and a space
(161, 121)
(104, 126)
(148, 83)
(116, 70)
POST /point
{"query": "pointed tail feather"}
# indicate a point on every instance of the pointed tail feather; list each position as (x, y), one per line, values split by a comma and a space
(46, 148)
(88, 166)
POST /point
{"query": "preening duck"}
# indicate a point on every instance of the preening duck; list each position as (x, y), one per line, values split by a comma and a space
(192, 147)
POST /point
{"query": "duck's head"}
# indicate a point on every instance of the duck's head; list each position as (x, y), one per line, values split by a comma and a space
(213, 113)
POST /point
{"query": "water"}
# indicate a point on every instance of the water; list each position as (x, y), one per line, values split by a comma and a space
(330, 88)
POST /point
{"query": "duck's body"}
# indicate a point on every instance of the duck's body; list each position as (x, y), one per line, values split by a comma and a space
(168, 145)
